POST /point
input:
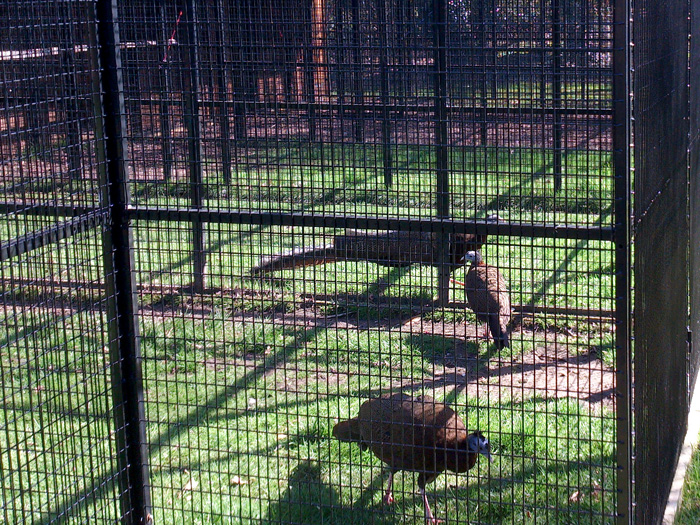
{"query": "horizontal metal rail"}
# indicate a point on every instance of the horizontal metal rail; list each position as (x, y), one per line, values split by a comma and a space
(46, 210)
(37, 239)
(520, 229)
(519, 310)
(368, 107)
(23, 55)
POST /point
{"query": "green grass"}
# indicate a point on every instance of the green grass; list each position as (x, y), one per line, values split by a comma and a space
(240, 405)
(256, 399)
(264, 412)
(540, 272)
(302, 177)
(298, 474)
(689, 512)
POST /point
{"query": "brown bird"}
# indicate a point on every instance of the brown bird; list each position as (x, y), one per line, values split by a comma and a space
(487, 295)
(415, 434)
(391, 248)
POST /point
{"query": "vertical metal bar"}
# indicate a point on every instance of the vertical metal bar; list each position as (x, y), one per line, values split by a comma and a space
(492, 84)
(494, 55)
(341, 59)
(401, 46)
(688, 208)
(240, 127)
(127, 379)
(442, 197)
(310, 91)
(359, 97)
(97, 108)
(694, 185)
(484, 80)
(556, 93)
(194, 142)
(223, 78)
(72, 111)
(384, 89)
(243, 89)
(621, 135)
(543, 53)
(166, 86)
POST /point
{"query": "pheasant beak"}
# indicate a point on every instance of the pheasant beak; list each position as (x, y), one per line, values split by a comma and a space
(486, 451)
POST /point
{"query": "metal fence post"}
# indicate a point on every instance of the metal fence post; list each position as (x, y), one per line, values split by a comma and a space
(166, 84)
(483, 83)
(694, 187)
(70, 105)
(242, 85)
(384, 89)
(556, 94)
(341, 59)
(223, 78)
(194, 141)
(442, 196)
(358, 99)
(623, 304)
(125, 353)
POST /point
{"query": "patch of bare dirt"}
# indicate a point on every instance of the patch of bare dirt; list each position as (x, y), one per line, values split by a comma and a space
(555, 362)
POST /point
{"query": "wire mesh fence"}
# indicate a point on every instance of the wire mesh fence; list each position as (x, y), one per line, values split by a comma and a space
(242, 238)
(58, 454)
(361, 147)
(694, 208)
(661, 197)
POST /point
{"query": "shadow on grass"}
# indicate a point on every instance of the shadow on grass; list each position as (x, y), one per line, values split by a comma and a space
(571, 254)
(528, 480)
(195, 417)
(207, 412)
(185, 262)
(447, 351)
(476, 370)
(309, 500)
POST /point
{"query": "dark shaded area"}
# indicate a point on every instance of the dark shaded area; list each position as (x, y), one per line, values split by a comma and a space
(694, 188)
(309, 500)
(661, 250)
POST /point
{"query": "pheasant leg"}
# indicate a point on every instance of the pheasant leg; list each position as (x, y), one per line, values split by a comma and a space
(429, 518)
(389, 494)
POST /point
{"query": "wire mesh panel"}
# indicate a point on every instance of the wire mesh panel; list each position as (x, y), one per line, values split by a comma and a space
(661, 231)
(260, 258)
(58, 453)
(694, 188)
(307, 182)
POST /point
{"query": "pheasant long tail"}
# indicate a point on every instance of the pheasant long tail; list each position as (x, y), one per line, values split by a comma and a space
(500, 335)
(348, 431)
(295, 259)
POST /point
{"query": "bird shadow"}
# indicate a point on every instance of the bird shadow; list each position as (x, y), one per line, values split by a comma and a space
(452, 351)
(308, 499)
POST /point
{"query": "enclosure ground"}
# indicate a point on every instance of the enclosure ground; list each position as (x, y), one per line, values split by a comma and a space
(467, 362)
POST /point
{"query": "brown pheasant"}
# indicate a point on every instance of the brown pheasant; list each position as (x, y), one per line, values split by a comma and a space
(391, 248)
(415, 434)
(487, 295)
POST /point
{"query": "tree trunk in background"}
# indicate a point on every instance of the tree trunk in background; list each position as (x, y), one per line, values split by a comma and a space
(318, 43)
